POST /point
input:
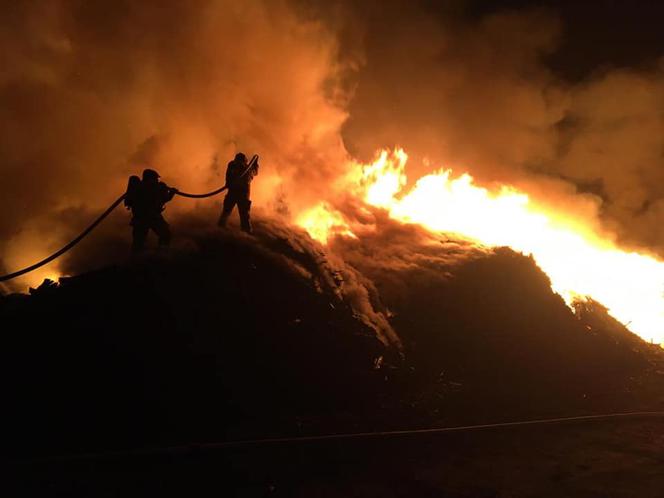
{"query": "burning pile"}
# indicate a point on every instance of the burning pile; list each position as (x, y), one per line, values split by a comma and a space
(580, 262)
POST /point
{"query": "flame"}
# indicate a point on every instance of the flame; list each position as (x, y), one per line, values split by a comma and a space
(579, 262)
(322, 222)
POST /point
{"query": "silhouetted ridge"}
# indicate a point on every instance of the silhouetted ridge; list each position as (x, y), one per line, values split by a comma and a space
(497, 332)
(241, 336)
(206, 345)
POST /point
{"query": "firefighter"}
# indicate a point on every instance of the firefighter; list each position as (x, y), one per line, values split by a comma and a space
(238, 180)
(146, 198)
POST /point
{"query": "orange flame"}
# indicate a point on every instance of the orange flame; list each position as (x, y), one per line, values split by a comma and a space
(323, 222)
(578, 261)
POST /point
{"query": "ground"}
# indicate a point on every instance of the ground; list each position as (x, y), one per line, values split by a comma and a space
(235, 337)
(618, 458)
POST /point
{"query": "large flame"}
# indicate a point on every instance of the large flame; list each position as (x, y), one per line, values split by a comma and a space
(579, 262)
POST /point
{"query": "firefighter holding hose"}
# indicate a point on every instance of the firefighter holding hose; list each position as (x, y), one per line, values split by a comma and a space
(146, 198)
(239, 175)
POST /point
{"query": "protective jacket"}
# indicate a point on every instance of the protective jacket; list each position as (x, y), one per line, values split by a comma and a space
(147, 199)
(236, 180)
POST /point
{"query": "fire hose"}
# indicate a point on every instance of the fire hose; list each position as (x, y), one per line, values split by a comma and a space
(102, 217)
(219, 190)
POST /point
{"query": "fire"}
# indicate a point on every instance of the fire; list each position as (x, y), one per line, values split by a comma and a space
(579, 261)
(323, 222)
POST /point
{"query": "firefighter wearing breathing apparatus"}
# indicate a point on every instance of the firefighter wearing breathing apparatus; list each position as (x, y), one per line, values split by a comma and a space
(146, 198)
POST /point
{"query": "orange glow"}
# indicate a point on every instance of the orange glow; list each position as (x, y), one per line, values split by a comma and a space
(37, 277)
(323, 222)
(578, 261)
(24, 249)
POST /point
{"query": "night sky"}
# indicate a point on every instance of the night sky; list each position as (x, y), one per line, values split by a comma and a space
(597, 34)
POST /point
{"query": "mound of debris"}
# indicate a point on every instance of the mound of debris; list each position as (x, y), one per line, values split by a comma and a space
(231, 340)
(502, 340)
(235, 337)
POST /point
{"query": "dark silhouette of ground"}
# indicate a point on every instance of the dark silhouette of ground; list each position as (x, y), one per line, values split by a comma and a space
(217, 344)
(616, 459)
(509, 344)
(242, 337)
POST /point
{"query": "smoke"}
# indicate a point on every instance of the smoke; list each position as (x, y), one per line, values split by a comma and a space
(611, 145)
(476, 94)
(471, 94)
(91, 92)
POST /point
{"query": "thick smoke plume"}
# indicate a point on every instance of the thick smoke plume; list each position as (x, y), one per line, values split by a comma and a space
(91, 92)
(475, 94)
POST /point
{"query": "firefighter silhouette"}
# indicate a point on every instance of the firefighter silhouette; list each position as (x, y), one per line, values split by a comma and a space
(238, 179)
(146, 198)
